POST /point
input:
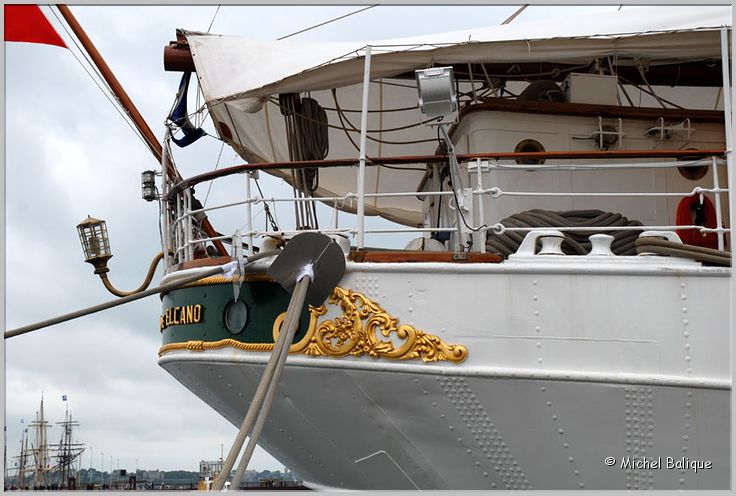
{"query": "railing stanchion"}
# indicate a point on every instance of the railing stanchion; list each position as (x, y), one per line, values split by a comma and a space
(727, 110)
(188, 225)
(361, 164)
(249, 212)
(165, 206)
(717, 194)
(178, 227)
(481, 206)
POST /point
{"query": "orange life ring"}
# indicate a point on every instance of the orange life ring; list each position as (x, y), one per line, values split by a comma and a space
(687, 216)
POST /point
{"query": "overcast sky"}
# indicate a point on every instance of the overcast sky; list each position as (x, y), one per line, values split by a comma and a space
(69, 154)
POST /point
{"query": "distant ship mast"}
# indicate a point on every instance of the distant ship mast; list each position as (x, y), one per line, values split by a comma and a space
(68, 452)
(40, 449)
(22, 459)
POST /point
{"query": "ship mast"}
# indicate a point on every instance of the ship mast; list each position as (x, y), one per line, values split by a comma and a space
(22, 459)
(69, 451)
(41, 449)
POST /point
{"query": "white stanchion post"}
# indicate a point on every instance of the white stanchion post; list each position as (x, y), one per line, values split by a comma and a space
(249, 213)
(361, 163)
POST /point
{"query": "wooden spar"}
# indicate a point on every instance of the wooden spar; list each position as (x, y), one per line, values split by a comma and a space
(464, 157)
(111, 80)
(151, 141)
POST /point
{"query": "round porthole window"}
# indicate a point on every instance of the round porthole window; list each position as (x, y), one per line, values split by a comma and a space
(693, 173)
(236, 316)
(529, 145)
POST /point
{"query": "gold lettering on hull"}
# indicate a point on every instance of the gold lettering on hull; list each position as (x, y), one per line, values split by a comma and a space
(355, 332)
(189, 314)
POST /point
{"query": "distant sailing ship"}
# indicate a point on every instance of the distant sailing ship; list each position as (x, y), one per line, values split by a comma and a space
(44, 466)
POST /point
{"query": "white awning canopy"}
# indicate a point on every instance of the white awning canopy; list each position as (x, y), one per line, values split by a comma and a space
(230, 66)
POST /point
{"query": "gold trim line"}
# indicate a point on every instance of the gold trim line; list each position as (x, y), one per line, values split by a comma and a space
(212, 280)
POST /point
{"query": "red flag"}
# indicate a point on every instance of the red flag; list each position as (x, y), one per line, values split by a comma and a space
(27, 23)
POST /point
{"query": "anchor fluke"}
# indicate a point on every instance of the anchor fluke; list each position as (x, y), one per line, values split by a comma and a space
(307, 252)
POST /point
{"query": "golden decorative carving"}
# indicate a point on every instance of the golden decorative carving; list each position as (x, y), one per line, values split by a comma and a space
(355, 332)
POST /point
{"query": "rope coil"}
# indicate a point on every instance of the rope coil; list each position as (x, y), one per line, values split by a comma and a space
(505, 242)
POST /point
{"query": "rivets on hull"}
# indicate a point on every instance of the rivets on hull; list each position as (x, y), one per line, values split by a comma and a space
(639, 418)
(486, 436)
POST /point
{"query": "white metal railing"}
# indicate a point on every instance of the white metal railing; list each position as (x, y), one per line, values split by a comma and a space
(185, 238)
(497, 192)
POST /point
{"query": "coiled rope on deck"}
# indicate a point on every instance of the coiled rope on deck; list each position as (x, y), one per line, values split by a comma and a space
(702, 254)
(575, 243)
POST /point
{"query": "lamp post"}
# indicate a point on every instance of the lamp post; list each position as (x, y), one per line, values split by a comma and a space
(96, 247)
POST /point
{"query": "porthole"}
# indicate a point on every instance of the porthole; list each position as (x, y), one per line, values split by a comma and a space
(526, 146)
(236, 316)
(692, 173)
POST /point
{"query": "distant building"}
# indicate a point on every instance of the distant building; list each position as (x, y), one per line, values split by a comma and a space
(153, 476)
(210, 468)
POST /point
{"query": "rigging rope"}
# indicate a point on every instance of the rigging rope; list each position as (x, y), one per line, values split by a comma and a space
(100, 82)
(326, 22)
(266, 209)
(307, 136)
(352, 128)
(213, 18)
(209, 187)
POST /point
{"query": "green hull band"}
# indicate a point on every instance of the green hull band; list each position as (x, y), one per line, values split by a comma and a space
(264, 301)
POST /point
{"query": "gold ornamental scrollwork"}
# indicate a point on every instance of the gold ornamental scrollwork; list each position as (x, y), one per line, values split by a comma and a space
(356, 332)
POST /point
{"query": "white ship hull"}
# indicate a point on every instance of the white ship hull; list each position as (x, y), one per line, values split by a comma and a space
(569, 362)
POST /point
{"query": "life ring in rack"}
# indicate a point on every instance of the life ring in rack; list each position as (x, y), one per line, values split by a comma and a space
(697, 210)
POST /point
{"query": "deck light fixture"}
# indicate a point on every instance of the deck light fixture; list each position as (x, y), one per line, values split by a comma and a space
(437, 97)
(96, 247)
(95, 243)
(148, 185)
(438, 106)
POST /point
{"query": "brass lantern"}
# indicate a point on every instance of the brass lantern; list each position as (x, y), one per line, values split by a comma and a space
(95, 243)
